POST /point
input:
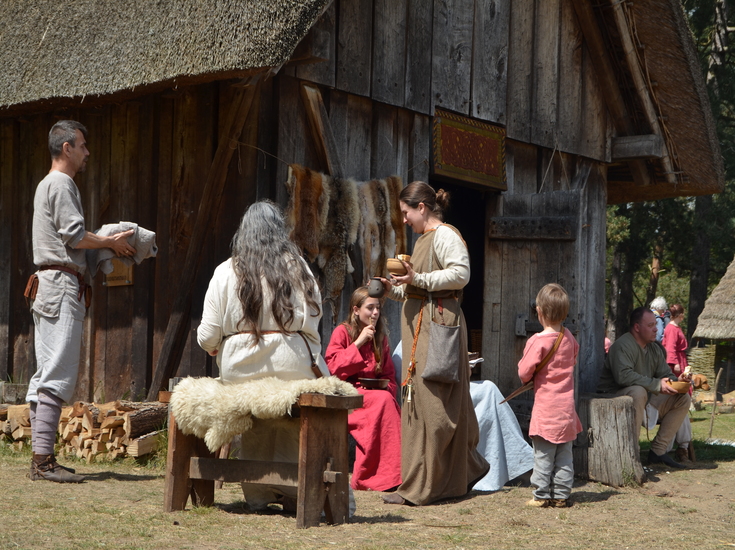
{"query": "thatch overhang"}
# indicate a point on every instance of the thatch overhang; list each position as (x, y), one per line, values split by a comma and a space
(52, 52)
(717, 320)
(679, 94)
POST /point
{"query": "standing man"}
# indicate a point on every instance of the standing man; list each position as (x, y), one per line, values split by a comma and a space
(636, 366)
(59, 243)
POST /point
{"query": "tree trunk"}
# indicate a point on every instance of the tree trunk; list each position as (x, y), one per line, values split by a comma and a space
(658, 251)
(614, 305)
(700, 262)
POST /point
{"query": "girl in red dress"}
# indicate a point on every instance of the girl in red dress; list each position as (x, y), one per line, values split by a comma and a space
(359, 348)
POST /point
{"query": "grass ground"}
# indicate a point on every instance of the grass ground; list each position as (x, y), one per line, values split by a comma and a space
(120, 507)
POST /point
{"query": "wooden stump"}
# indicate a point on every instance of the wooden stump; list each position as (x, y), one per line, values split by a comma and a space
(607, 450)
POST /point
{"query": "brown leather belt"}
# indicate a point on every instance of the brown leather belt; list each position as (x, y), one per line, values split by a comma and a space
(85, 290)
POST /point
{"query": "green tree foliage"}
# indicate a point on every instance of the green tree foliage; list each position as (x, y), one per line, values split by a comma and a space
(674, 230)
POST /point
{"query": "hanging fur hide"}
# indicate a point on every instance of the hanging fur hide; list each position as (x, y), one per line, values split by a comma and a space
(381, 229)
(338, 236)
(216, 411)
(395, 185)
(308, 208)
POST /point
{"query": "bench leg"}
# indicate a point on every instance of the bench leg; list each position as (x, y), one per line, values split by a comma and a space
(323, 445)
(178, 487)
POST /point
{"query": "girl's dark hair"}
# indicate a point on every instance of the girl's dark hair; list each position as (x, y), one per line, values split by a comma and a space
(352, 324)
(261, 249)
(419, 191)
(676, 310)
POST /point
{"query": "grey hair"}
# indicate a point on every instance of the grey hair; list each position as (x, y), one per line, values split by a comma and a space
(659, 303)
(64, 131)
(261, 249)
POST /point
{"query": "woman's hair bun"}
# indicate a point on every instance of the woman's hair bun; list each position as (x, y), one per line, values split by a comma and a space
(442, 199)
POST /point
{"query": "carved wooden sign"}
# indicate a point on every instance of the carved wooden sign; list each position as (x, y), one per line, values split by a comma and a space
(122, 275)
(468, 150)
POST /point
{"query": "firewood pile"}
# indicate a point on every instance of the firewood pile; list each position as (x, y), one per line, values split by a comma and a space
(94, 431)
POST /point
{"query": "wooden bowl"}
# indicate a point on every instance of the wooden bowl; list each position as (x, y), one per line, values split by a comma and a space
(374, 383)
(395, 267)
(681, 387)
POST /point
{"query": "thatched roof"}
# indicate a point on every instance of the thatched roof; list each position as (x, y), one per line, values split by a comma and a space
(717, 320)
(673, 65)
(51, 49)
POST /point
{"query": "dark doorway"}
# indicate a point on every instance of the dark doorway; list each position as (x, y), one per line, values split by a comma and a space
(467, 213)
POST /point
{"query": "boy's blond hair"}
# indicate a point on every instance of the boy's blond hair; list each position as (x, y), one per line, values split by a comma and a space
(553, 302)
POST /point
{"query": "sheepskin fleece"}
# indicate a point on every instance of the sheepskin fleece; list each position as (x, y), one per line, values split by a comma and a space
(216, 411)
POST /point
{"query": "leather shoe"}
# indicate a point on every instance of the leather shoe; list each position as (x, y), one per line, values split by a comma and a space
(394, 498)
(46, 467)
(653, 458)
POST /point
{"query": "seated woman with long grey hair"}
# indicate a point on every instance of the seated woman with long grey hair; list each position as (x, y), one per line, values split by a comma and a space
(261, 316)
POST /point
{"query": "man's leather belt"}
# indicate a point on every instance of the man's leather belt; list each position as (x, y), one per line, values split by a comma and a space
(84, 289)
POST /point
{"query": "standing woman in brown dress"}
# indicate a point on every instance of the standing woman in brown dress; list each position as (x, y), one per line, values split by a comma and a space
(439, 431)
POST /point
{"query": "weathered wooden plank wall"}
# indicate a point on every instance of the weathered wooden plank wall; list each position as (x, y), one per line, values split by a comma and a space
(544, 184)
(519, 63)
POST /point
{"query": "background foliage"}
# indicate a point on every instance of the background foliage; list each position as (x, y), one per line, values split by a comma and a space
(692, 239)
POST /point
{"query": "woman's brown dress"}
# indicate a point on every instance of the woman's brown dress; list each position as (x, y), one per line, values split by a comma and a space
(439, 431)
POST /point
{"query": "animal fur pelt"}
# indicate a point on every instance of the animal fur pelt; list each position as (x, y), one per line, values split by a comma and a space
(395, 185)
(381, 226)
(339, 234)
(216, 411)
(308, 207)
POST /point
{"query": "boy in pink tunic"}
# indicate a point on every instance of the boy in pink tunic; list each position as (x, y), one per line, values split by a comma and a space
(554, 420)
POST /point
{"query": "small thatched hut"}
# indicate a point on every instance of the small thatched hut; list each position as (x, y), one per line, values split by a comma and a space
(717, 323)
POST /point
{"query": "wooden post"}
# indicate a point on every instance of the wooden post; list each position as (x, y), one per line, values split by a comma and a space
(323, 460)
(714, 404)
(321, 130)
(176, 330)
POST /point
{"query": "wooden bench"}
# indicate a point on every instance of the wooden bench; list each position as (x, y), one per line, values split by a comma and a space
(321, 475)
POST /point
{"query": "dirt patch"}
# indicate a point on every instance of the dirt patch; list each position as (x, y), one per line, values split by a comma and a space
(121, 507)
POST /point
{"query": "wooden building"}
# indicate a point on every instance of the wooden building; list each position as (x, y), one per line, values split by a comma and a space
(195, 109)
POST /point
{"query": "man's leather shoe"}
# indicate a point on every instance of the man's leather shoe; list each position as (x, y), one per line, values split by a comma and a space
(653, 458)
(46, 467)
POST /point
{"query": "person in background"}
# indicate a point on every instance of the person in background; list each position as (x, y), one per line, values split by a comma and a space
(359, 348)
(439, 430)
(660, 310)
(59, 242)
(675, 344)
(554, 421)
(261, 318)
(636, 366)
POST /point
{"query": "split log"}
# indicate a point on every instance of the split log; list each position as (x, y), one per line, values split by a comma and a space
(19, 415)
(4, 411)
(144, 444)
(607, 450)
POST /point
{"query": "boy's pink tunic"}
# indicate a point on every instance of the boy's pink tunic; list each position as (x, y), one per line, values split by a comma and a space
(554, 415)
(376, 427)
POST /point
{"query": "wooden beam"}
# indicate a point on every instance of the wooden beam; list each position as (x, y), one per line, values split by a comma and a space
(282, 474)
(608, 83)
(637, 147)
(640, 83)
(177, 328)
(321, 130)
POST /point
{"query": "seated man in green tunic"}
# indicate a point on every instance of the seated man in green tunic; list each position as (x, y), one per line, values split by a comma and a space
(636, 366)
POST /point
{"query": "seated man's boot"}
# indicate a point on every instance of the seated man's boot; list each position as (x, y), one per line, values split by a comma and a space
(46, 467)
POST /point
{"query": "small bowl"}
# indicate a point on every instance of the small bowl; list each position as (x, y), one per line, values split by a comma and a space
(395, 267)
(681, 387)
(374, 383)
